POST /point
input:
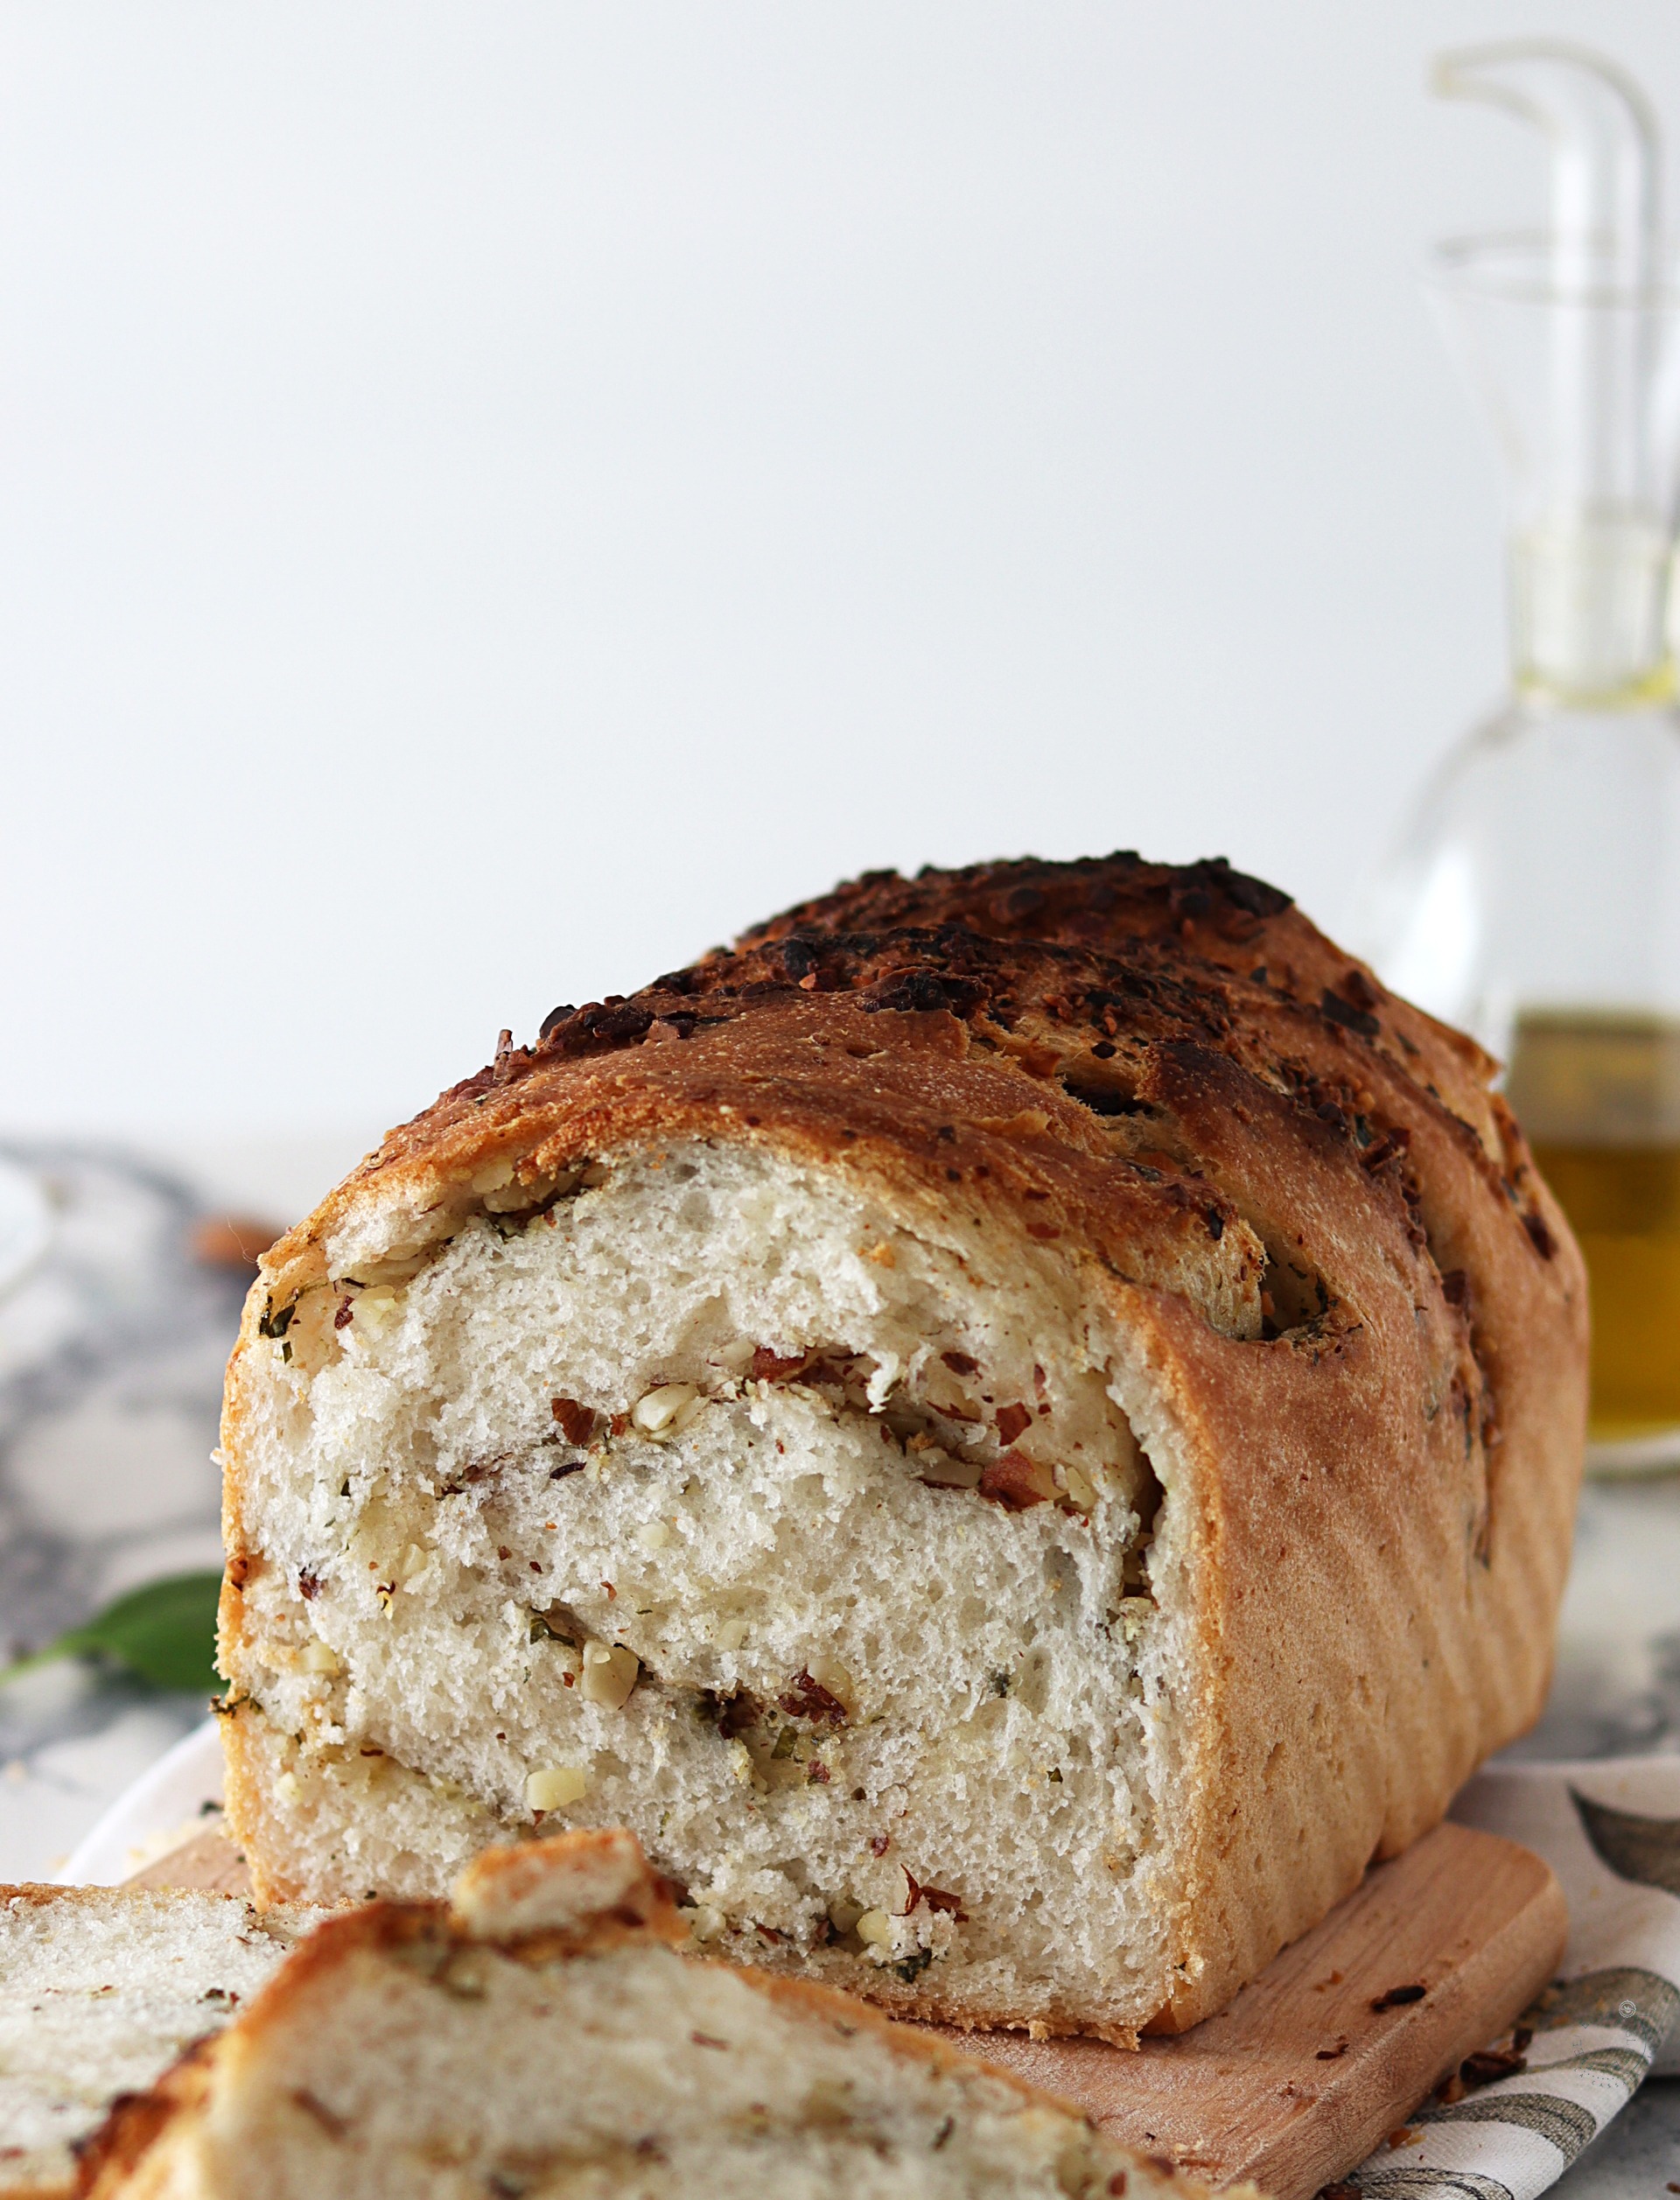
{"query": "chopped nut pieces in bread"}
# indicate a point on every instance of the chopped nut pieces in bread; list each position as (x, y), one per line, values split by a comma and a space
(539, 2036)
(1018, 1428)
(101, 1989)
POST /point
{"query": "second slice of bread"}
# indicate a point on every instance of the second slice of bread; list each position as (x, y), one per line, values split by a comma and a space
(540, 2036)
(101, 1989)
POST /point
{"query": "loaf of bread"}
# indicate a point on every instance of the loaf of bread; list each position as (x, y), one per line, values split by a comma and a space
(101, 1989)
(538, 2036)
(1018, 1428)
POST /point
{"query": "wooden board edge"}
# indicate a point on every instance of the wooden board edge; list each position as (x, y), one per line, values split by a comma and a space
(1479, 2000)
(207, 1862)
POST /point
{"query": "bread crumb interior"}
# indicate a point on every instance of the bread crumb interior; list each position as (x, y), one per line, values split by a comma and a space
(806, 1538)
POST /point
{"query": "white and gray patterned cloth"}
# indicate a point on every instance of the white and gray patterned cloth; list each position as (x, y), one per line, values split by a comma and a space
(1611, 1831)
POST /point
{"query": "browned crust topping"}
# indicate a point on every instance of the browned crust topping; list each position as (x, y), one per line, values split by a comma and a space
(1026, 899)
(1091, 974)
(1139, 1016)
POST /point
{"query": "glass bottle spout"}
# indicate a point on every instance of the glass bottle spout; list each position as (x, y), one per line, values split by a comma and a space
(1605, 162)
(1535, 896)
(1569, 335)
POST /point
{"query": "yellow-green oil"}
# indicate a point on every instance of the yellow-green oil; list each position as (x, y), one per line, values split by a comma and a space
(1598, 1094)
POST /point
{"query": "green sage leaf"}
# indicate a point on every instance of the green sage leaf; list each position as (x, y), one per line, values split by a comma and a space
(164, 1632)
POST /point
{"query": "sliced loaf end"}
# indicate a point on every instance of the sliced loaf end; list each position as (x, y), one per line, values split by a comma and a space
(539, 2035)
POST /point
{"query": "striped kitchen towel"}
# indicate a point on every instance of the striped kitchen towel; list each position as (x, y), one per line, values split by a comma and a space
(1512, 2121)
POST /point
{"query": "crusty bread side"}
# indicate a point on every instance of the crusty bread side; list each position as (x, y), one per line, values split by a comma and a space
(101, 1989)
(538, 2035)
(1239, 1257)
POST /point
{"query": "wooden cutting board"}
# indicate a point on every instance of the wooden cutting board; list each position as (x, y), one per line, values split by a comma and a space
(1316, 2062)
(1328, 2052)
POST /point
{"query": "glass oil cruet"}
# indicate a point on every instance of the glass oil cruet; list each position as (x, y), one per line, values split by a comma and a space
(1535, 898)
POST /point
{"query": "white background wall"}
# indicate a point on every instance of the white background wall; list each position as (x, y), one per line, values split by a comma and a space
(494, 497)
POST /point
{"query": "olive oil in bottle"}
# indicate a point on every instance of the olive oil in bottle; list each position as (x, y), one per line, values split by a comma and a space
(1599, 1093)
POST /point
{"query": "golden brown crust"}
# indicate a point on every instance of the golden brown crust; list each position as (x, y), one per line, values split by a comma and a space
(1206, 910)
(119, 2147)
(1116, 1063)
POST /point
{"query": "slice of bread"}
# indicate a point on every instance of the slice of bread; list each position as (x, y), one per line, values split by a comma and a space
(1017, 1430)
(101, 1989)
(539, 2036)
